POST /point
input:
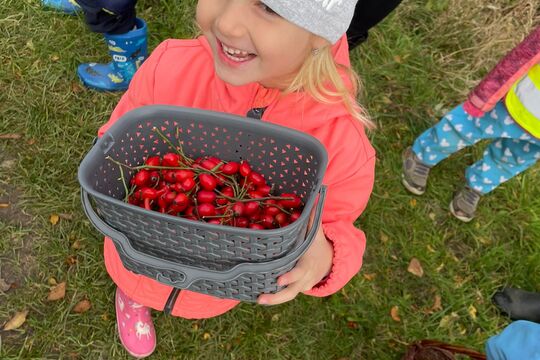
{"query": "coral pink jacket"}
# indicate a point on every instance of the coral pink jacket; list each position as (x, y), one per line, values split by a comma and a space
(181, 72)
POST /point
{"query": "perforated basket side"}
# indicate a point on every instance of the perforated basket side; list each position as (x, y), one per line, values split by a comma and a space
(293, 161)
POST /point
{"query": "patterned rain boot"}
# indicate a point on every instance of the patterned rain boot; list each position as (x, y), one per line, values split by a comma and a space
(135, 326)
(66, 6)
(128, 51)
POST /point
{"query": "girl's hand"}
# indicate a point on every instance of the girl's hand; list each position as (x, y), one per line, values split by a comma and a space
(312, 267)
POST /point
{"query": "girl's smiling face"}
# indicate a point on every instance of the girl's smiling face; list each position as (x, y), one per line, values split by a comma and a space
(251, 43)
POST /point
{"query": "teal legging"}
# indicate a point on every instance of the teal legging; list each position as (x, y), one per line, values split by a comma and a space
(512, 150)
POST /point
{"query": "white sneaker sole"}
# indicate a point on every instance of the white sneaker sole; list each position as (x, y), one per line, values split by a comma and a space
(410, 188)
(460, 217)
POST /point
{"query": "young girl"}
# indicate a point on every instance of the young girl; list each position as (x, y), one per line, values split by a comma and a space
(285, 62)
(504, 107)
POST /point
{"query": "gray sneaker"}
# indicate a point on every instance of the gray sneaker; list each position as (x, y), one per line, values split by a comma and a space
(464, 203)
(415, 173)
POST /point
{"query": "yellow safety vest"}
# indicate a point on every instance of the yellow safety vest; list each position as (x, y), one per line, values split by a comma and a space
(523, 101)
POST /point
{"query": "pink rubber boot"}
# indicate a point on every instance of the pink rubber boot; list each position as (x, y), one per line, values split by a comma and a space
(135, 326)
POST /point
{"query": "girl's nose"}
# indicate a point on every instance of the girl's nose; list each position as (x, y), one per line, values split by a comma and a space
(230, 22)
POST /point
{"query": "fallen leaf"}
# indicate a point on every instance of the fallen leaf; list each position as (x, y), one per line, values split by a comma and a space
(195, 326)
(4, 205)
(76, 88)
(369, 277)
(58, 292)
(55, 57)
(4, 286)
(432, 216)
(16, 321)
(71, 260)
(430, 248)
(31, 141)
(10, 136)
(413, 202)
(82, 306)
(384, 238)
(394, 313)
(66, 216)
(206, 336)
(77, 245)
(52, 281)
(462, 329)
(448, 319)
(437, 305)
(275, 317)
(105, 317)
(440, 267)
(398, 59)
(472, 312)
(352, 325)
(415, 268)
(54, 219)
(30, 44)
(386, 100)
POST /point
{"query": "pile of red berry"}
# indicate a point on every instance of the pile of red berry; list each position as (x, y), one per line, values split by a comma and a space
(212, 190)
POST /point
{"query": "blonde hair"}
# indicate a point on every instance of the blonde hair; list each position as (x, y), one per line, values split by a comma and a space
(319, 76)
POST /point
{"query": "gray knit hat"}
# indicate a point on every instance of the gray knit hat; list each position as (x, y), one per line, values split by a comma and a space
(329, 19)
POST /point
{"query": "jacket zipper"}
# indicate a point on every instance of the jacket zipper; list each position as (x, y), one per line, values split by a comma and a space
(169, 305)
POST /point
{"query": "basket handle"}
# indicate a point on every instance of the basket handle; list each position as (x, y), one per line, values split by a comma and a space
(185, 275)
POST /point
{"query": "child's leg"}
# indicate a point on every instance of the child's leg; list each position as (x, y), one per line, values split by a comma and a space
(126, 38)
(455, 131)
(109, 17)
(67, 6)
(503, 159)
(135, 326)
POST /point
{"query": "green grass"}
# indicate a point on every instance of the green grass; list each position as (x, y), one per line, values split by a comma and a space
(417, 64)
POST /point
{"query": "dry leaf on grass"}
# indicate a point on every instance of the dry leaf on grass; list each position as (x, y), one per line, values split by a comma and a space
(82, 306)
(437, 305)
(16, 321)
(369, 277)
(415, 268)
(10, 136)
(413, 202)
(206, 336)
(71, 260)
(58, 292)
(77, 245)
(54, 219)
(4, 286)
(472, 312)
(394, 313)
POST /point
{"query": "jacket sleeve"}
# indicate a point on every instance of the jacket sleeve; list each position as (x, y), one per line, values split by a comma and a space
(346, 199)
(141, 88)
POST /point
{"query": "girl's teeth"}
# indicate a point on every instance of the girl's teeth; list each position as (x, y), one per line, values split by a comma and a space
(234, 52)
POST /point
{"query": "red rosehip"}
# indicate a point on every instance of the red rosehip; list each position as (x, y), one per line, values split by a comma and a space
(142, 178)
(245, 168)
(153, 161)
(171, 159)
(207, 181)
(229, 168)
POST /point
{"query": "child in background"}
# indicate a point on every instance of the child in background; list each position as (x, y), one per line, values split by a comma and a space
(280, 61)
(367, 14)
(504, 107)
(126, 37)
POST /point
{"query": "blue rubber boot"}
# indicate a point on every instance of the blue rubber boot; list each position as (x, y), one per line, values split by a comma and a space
(66, 6)
(128, 52)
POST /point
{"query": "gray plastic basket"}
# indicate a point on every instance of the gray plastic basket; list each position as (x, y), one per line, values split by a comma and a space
(218, 260)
